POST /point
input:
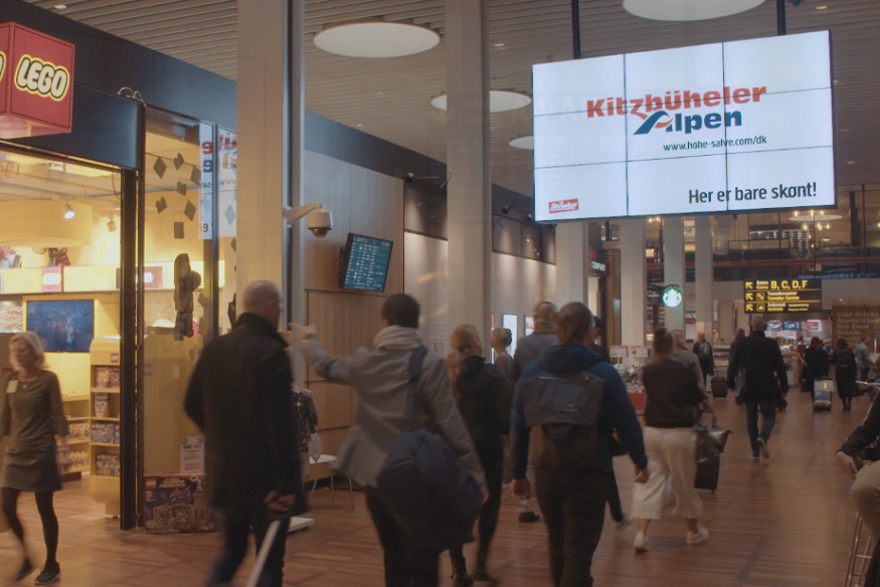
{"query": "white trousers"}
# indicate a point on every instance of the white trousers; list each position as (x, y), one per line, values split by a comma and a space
(671, 454)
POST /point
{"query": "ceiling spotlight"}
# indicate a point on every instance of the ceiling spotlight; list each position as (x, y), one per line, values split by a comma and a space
(796, 213)
(805, 227)
(507, 208)
(68, 211)
(499, 44)
(499, 101)
(360, 125)
(851, 162)
(821, 7)
(111, 226)
(526, 143)
(61, 7)
(684, 10)
(376, 38)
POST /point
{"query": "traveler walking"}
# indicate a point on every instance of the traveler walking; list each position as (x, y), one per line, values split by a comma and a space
(817, 364)
(688, 359)
(765, 383)
(381, 378)
(845, 372)
(740, 335)
(670, 443)
(500, 342)
(866, 486)
(703, 349)
(864, 362)
(31, 414)
(528, 349)
(572, 459)
(240, 396)
(484, 398)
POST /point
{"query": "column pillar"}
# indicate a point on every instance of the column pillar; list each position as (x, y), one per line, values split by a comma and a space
(673, 267)
(573, 263)
(704, 269)
(723, 232)
(469, 193)
(633, 281)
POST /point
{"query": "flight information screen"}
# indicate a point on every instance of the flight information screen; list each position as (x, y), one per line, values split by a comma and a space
(366, 263)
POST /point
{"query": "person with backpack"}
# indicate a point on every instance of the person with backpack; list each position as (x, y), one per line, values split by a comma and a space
(670, 442)
(570, 448)
(382, 378)
(484, 397)
(845, 373)
(703, 350)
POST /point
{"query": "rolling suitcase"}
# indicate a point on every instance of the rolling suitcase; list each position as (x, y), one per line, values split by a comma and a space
(707, 474)
(719, 387)
(823, 391)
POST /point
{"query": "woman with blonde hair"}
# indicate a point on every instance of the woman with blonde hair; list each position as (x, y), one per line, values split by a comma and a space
(484, 396)
(670, 442)
(31, 413)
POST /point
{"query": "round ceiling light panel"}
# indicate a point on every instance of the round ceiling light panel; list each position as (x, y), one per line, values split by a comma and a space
(499, 101)
(684, 10)
(376, 38)
(527, 143)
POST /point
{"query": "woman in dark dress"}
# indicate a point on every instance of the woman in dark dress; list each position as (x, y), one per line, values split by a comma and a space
(484, 397)
(845, 373)
(817, 365)
(31, 414)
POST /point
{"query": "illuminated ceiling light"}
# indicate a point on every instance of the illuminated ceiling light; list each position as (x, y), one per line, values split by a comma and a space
(527, 143)
(360, 125)
(682, 10)
(821, 7)
(851, 162)
(68, 211)
(499, 101)
(376, 38)
(796, 213)
(805, 227)
(499, 44)
(61, 7)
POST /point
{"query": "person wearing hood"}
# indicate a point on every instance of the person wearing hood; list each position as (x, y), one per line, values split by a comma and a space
(484, 397)
(380, 377)
(573, 498)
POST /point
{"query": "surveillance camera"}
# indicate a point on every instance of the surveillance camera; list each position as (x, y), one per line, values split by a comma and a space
(320, 222)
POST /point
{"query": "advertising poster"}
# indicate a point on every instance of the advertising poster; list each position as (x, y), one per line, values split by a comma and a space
(192, 455)
(706, 128)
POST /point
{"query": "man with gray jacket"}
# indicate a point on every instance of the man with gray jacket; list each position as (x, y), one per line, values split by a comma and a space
(380, 376)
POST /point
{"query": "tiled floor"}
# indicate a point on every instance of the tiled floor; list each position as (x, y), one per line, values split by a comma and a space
(786, 522)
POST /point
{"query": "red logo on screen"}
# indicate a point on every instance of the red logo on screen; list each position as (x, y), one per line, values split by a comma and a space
(563, 206)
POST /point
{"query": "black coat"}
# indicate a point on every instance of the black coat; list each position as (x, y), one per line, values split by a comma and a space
(485, 397)
(845, 372)
(765, 371)
(817, 363)
(240, 395)
(707, 364)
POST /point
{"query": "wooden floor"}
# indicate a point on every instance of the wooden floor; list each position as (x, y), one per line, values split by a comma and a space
(783, 522)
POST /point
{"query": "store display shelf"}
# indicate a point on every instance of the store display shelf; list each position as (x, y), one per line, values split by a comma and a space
(108, 444)
(106, 419)
(116, 477)
(77, 470)
(86, 441)
(77, 418)
(75, 398)
(105, 390)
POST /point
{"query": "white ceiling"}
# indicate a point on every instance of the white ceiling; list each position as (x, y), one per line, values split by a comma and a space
(390, 97)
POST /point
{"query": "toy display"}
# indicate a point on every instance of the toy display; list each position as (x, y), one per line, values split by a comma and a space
(101, 400)
(176, 504)
(78, 460)
(107, 378)
(632, 377)
(105, 433)
(78, 432)
(107, 465)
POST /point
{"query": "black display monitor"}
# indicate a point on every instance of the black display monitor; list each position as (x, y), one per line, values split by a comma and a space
(364, 263)
(64, 326)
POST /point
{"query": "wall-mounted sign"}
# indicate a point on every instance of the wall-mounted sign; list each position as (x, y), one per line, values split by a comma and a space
(776, 296)
(855, 323)
(530, 325)
(36, 83)
(52, 280)
(690, 317)
(672, 296)
(619, 351)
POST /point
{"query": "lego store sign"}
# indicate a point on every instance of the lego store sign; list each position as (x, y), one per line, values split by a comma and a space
(36, 83)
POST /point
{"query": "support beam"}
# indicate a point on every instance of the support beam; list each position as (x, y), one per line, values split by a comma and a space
(704, 268)
(673, 266)
(573, 264)
(633, 281)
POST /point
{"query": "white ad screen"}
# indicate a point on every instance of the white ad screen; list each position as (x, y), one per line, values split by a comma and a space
(738, 126)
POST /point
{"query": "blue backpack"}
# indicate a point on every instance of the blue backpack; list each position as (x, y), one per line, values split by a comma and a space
(425, 486)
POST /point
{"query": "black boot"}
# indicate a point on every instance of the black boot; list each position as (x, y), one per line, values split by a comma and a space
(460, 576)
(480, 575)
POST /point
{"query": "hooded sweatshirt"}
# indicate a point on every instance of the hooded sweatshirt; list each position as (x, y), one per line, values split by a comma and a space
(617, 412)
(484, 398)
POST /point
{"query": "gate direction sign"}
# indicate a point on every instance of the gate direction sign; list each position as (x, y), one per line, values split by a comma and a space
(782, 296)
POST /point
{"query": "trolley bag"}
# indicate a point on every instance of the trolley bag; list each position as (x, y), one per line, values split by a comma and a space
(719, 387)
(823, 391)
(707, 474)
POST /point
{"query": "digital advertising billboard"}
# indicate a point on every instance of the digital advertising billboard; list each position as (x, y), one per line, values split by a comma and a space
(739, 127)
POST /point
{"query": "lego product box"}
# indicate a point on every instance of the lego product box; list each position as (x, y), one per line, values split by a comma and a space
(176, 504)
(104, 433)
(107, 465)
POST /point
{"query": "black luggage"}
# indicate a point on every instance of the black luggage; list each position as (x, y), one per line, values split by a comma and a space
(719, 387)
(707, 474)
(823, 391)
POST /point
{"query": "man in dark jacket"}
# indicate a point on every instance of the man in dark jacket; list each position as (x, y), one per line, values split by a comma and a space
(573, 499)
(766, 381)
(240, 395)
(704, 351)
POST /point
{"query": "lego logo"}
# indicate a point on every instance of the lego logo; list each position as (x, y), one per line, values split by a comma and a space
(42, 78)
(2, 64)
(52, 279)
(563, 206)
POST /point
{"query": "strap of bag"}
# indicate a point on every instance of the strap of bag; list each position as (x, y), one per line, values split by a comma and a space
(416, 359)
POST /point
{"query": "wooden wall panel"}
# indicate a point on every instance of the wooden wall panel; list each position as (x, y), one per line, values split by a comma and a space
(335, 404)
(366, 318)
(331, 314)
(327, 181)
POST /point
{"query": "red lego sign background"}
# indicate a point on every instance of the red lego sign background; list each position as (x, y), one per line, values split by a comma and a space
(36, 83)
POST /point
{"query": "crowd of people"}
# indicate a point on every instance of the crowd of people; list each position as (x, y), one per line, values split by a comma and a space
(547, 422)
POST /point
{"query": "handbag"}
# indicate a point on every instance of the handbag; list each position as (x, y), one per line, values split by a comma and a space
(739, 391)
(710, 440)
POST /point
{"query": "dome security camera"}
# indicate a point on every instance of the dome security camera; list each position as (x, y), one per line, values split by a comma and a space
(320, 222)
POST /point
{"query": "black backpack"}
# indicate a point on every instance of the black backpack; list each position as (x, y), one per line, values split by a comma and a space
(563, 412)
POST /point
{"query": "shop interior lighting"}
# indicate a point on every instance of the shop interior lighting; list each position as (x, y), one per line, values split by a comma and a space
(376, 38)
(111, 226)
(685, 10)
(821, 214)
(527, 143)
(499, 101)
(61, 7)
(821, 7)
(68, 211)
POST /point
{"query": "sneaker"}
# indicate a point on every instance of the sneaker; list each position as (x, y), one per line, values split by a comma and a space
(50, 574)
(755, 456)
(702, 535)
(528, 518)
(641, 543)
(762, 445)
(26, 569)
